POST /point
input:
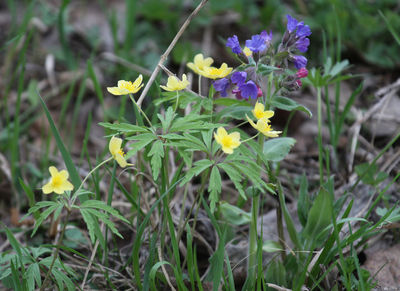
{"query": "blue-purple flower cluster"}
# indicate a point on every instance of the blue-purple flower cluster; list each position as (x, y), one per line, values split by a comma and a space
(296, 37)
(259, 46)
(243, 89)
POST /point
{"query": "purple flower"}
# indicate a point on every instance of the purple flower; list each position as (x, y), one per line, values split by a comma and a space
(302, 73)
(239, 78)
(256, 43)
(221, 86)
(265, 36)
(291, 24)
(302, 30)
(299, 61)
(302, 44)
(249, 90)
(233, 43)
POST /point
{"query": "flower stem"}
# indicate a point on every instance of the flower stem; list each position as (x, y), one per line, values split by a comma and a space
(87, 176)
(320, 152)
(55, 255)
(255, 208)
(141, 111)
(250, 138)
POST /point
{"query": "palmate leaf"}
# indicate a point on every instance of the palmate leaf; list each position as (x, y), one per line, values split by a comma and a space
(167, 119)
(124, 127)
(101, 205)
(199, 167)
(156, 153)
(235, 176)
(190, 122)
(142, 140)
(214, 187)
(45, 214)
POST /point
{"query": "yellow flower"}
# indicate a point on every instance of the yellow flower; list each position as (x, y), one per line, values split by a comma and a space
(126, 87)
(228, 141)
(200, 63)
(58, 183)
(116, 151)
(174, 84)
(259, 112)
(247, 51)
(264, 127)
(215, 73)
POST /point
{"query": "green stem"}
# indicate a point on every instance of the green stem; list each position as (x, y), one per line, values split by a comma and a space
(141, 111)
(255, 208)
(55, 256)
(199, 85)
(250, 138)
(87, 176)
(320, 152)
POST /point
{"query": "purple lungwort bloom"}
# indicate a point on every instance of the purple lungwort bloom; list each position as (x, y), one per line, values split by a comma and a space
(299, 61)
(249, 90)
(291, 24)
(239, 78)
(302, 44)
(233, 43)
(302, 30)
(221, 86)
(265, 36)
(256, 43)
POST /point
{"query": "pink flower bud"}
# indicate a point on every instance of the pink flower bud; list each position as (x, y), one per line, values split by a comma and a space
(302, 73)
(299, 83)
(259, 93)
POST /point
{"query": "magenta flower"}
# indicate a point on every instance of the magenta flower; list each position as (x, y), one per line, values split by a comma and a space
(302, 73)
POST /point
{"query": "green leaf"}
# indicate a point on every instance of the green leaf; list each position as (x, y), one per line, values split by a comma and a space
(266, 70)
(101, 205)
(234, 215)
(369, 174)
(320, 215)
(271, 246)
(288, 104)
(303, 203)
(156, 153)
(90, 223)
(13, 241)
(230, 102)
(236, 112)
(124, 127)
(191, 122)
(235, 176)
(43, 216)
(276, 149)
(166, 121)
(73, 173)
(142, 141)
(199, 167)
(214, 187)
(276, 274)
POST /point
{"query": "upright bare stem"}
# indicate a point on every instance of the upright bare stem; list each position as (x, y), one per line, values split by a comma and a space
(168, 51)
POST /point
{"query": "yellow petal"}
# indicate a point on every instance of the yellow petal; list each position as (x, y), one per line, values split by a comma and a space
(53, 171)
(251, 122)
(120, 160)
(166, 88)
(114, 145)
(59, 190)
(48, 188)
(221, 132)
(138, 82)
(68, 186)
(235, 137)
(117, 91)
(64, 174)
(227, 150)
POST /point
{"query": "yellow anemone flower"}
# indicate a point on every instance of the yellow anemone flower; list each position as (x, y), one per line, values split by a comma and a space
(215, 73)
(227, 141)
(259, 112)
(126, 87)
(58, 183)
(174, 84)
(264, 127)
(200, 63)
(247, 51)
(116, 151)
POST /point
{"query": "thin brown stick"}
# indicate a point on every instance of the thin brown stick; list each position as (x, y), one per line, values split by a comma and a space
(168, 51)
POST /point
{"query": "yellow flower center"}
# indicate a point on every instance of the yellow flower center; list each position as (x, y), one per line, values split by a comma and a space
(128, 86)
(258, 113)
(121, 152)
(226, 141)
(57, 181)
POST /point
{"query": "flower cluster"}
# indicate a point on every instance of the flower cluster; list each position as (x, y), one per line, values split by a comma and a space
(243, 89)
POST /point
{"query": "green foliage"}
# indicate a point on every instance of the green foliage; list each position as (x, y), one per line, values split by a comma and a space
(276, 149)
